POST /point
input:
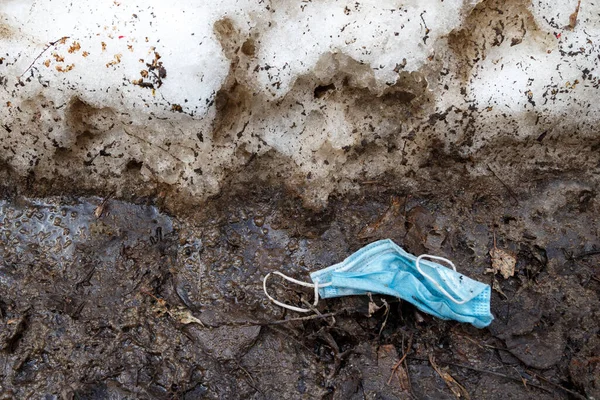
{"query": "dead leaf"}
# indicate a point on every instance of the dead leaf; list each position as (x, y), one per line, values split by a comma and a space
(373, 307)
(101, 207)
(58, 57)
(160, 307)
(391, 223)
(184, 316)
(74, 47)
(116, 60)
(68, 68)
(503, 261)
(573, 17)
(497, 288)
(456, 388)
(180, 314)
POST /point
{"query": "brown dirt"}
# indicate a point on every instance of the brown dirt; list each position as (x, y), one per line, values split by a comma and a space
(100, 317)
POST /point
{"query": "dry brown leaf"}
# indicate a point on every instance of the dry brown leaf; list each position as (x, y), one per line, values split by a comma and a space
(180, 314)
(101, 207)
(497, 288)
(160, 307)
(456, 388)
(373, 307)
(67, 68)
(503, 261)
(573, 17)
(74, 47)
(184, 316)
(389, 221)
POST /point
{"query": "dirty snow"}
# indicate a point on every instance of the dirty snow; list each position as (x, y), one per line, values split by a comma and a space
(327, 93)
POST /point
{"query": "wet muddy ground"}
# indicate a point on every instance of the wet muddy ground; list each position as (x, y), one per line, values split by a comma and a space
(126, 301)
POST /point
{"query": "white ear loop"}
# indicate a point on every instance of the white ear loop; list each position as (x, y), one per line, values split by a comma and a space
(315, 285)
(429, 278)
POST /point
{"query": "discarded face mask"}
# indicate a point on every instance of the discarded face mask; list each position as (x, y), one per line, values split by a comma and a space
(384, 267)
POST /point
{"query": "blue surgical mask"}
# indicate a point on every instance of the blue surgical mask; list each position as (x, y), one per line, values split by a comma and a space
(384, 267)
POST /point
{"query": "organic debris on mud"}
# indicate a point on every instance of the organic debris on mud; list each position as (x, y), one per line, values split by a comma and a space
(503, 262)
(131, 302)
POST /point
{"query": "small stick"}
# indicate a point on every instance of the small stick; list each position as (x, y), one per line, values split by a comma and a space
(395, 367)
(311, 317)
(282, 321)
(250, 383)
(587, 254)
(408, 379)
(558, 386)
(484, 371)
(51, 44)
(512, 194)
(387, 314)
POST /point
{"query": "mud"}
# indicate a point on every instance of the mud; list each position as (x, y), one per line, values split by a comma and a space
(100, 303)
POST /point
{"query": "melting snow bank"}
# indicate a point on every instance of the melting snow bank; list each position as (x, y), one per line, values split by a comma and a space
(143, 97)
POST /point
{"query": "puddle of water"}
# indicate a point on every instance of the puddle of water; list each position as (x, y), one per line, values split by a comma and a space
(51, 230)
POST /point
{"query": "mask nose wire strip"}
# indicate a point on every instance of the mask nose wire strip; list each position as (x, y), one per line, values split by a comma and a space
(429, 278)
(315, 285)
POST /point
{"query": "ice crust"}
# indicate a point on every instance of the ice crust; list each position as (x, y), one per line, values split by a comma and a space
(327, 93)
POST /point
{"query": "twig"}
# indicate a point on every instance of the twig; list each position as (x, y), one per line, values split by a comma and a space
(292, 338)
(484, 371)
(523, 380)
(336, 353)
(282, 321)
(317, 312)
(577, 395)
(397, 365)
(86, 279)
(251, 382)
(587, 254)
(149, 143)
(311, 317)
(51, 44)
(512, 194)
(484, 345)
(373, 308)
(408, 380)
(458, 390)
(387, 314)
